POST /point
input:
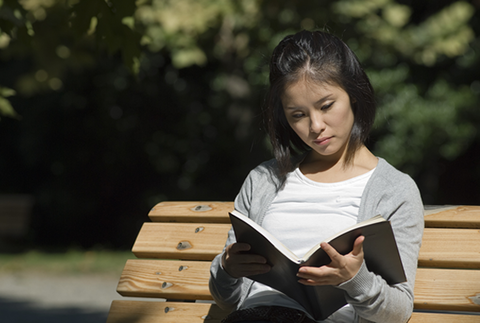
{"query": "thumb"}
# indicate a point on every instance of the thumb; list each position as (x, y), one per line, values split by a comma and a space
(358, 246)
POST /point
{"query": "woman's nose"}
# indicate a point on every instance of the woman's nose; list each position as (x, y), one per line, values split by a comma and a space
(317, 125)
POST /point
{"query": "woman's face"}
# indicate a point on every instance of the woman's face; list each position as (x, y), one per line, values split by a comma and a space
(321, 115)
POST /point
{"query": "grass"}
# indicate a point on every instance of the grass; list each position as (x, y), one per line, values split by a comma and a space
(70, 262)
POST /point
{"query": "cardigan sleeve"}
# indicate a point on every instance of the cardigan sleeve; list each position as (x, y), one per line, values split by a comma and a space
(225, 289)
(396, 197)
(255, 194)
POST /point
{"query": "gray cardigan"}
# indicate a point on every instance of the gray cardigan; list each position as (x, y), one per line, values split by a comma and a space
(389, 193)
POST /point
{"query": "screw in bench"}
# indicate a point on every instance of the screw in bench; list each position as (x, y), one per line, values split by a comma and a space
(199, 229)
(201, 208)
(168, 309)
(183, 245)
(182, 268)
(166, 285)
(475, 299)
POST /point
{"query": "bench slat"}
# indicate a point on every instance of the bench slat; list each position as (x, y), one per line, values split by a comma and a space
(447, 289)
(165, 312)
(177, 312)
(202, 212)
(187, 211)
(453, 217)
(443, 318)
(450, 248)
(435, 289)
(200, 241)
(165, 279)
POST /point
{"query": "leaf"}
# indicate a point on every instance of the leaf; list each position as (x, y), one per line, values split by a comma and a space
(82, 14)
(6, 108)
(188, 56)
(6, 92)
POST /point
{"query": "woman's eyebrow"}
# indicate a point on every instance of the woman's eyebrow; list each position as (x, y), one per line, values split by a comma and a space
(325, 98)
(320, 101)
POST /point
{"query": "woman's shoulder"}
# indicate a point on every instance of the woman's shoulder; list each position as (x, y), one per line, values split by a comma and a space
(389, 190)
(387, 178)
(271, 167)
(389, 172)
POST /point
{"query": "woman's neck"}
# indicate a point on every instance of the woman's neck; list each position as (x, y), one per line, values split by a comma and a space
(327, 169)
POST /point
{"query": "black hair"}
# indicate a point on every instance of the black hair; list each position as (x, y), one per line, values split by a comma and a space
(322, 58)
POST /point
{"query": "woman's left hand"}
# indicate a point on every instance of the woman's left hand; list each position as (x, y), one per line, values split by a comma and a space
(341, 269)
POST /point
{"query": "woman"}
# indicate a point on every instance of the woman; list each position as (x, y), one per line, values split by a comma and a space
(319, 111)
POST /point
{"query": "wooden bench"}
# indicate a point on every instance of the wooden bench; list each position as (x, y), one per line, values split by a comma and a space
(176, 248)
(15, 212)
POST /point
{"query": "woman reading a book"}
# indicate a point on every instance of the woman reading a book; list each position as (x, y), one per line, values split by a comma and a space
(319, 110)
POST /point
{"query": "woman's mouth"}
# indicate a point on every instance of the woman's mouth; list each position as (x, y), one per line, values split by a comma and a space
(322, 141)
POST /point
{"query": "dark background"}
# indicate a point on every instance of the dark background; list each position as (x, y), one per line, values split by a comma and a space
(98, 151)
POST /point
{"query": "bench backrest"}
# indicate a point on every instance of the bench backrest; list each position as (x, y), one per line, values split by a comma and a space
(14, 215)
(176, 248)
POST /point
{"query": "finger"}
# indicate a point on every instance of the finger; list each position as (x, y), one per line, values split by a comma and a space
(331, 252)
(236, 254)
(308, 272)
(241, 265)
(311, 282)
(358, 246)
(240, 247)
(312, 275)
(240, 250)
(243, 270)
(248, 259)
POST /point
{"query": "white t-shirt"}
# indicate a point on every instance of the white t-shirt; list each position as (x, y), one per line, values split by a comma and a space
(319, 210)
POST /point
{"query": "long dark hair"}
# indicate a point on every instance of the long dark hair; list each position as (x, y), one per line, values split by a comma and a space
(323, 58)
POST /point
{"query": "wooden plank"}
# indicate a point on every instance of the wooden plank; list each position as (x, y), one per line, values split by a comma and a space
(435, 289)
(177, 312)
(447, 289)
(164, 312)
(443, 318)
(202, 212)
(15, 214)
(450, 248)
(165, 279)
(199, 241)
(453, 217)
(463, 216)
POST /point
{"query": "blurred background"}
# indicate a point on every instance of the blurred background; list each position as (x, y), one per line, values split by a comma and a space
(110, 106)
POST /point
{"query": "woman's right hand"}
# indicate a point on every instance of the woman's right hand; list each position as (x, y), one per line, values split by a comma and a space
(237, 262)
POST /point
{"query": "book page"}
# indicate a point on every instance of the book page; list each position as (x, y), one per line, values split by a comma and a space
(274, 241)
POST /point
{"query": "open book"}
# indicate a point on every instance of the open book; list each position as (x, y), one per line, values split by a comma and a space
(380, 253)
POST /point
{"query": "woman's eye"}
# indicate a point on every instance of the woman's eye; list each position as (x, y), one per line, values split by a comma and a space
(327, 106)
(297, 115)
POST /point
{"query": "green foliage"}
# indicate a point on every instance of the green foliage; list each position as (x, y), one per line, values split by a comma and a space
(385, 21)
(161, 99)
(111, 23)
(417, 125)
(171, 24)
(6, 108)
(61, 35)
